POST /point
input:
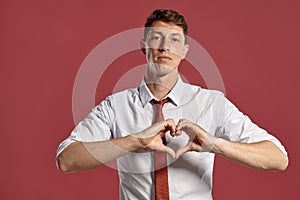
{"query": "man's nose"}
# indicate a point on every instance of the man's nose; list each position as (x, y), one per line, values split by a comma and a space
(164, 45)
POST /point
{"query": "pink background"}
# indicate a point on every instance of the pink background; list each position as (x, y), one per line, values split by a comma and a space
(255, 45)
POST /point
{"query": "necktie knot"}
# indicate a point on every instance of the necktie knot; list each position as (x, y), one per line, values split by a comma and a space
(161, 103)
(158, 109)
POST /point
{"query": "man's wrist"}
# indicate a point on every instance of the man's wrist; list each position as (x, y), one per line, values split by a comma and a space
(136, 142)
(210, 143)
(216, 148)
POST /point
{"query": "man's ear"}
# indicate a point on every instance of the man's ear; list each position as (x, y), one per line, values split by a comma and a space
(143, 46)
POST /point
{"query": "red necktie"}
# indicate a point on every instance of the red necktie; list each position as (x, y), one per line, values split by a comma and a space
(160, 163)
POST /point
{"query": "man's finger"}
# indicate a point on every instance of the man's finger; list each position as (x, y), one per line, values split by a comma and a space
(171, 121)
(168, 150)
(181, 124)
(170, 125)
(181, 151)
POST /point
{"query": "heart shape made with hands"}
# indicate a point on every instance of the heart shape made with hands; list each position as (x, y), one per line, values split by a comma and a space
(197, 137)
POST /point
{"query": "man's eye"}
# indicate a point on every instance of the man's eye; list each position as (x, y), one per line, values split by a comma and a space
(175, 40)
(156, 38)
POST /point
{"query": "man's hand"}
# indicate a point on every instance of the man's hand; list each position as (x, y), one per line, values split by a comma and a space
(152, 137)
(199, 141)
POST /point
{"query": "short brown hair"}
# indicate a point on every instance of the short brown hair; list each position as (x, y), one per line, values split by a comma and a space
(169, 16)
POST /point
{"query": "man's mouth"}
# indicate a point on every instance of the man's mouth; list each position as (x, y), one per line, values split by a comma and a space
(164, 58)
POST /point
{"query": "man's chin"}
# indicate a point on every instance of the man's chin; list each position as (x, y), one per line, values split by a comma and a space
(163, 69)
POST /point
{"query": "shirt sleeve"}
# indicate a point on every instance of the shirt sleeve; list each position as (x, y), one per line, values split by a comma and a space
(238, 127)
(95, 127)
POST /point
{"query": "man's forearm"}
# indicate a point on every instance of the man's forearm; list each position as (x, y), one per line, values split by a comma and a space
(87, 155)
(263, 155)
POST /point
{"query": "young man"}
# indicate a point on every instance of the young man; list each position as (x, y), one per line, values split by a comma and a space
(165, 116)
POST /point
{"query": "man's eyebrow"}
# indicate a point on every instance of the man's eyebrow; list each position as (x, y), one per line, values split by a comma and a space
(158, 32)
(176, 34)
(161, 33)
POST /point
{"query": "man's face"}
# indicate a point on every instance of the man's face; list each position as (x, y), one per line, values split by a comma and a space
(164, 47)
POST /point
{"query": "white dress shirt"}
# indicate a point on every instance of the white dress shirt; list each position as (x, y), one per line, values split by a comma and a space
(130, 111)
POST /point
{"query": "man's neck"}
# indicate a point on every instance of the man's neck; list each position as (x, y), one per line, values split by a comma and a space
(160, 86)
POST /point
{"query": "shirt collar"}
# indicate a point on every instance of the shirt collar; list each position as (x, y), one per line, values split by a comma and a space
(175, 94)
